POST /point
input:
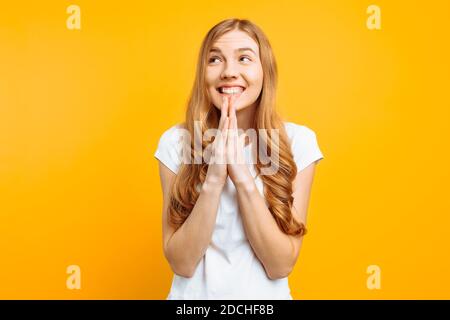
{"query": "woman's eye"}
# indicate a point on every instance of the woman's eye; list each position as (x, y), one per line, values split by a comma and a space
(212, 59)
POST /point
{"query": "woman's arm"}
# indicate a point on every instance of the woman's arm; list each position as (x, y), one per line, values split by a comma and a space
(276, 250)
(185, 247)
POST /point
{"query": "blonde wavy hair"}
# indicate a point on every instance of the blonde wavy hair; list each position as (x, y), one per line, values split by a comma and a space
(278, 187)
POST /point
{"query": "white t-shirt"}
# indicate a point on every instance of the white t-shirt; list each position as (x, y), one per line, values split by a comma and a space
(230, 269)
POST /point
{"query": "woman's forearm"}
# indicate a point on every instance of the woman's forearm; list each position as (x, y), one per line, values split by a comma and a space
(273, 247)
(189, 243)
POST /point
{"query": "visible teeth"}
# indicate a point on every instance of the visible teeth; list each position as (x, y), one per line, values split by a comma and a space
(233, 90)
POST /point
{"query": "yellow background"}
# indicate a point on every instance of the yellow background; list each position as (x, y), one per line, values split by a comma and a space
(81, 113)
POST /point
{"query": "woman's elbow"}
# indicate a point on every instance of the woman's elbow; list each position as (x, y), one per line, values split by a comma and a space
(279, 273)
(181, 268)
(179, 265)
(183, 272)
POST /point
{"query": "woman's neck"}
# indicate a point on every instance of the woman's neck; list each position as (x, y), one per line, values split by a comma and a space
(246, 117)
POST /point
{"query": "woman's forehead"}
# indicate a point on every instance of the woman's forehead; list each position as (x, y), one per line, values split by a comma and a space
(234, 40)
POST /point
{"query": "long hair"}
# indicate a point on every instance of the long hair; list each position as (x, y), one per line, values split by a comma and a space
(278, 187)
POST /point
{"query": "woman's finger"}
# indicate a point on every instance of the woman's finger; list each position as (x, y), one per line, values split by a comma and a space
(223, 137)
(225, 129)
(236, 144)
(235, 126)
(231, 139)
(242, 159)
(233, 120)
(224, 112)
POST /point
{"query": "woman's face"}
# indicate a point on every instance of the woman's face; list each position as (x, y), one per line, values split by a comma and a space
(234, 68)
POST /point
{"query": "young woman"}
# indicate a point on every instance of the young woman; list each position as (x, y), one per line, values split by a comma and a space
(229, 231)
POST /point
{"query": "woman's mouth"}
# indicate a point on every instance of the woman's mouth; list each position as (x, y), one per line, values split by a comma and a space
(228, 91)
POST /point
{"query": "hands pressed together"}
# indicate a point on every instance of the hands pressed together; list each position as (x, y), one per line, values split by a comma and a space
(227, 157)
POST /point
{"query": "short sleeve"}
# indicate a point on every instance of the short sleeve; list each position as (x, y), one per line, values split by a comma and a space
(305, 147)
(169, 148)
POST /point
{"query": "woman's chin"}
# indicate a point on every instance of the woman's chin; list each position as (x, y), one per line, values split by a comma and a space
(236, 96)
(239, 106)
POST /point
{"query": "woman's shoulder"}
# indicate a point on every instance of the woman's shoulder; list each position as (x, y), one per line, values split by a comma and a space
(304, 144)
(173, 133)
(298, 131)
(169, 147)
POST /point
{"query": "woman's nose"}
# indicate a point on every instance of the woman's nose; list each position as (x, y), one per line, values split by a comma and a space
(230, 70)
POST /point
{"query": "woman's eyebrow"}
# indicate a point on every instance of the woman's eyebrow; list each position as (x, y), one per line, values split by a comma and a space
(214, 49)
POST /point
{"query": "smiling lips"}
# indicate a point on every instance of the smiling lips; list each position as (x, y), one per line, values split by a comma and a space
(226, 91)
